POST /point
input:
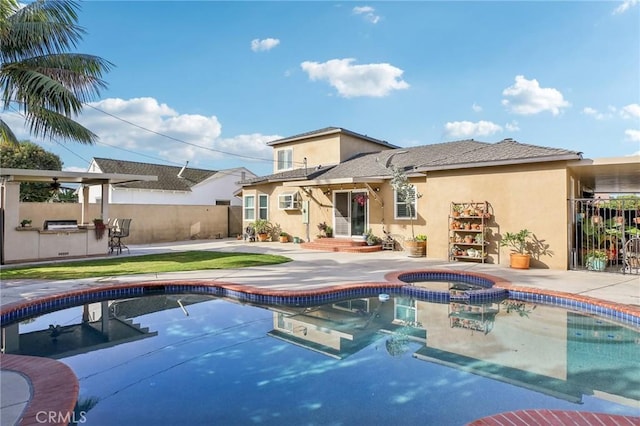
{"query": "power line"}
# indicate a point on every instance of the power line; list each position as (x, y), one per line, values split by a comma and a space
(178, 140)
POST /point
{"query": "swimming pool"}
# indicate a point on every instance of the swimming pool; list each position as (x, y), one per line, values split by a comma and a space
(198, 359)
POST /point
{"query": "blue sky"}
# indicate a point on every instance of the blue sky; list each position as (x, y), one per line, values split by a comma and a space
(212, 81)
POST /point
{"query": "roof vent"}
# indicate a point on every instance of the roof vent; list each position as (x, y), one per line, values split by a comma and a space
(182, 169)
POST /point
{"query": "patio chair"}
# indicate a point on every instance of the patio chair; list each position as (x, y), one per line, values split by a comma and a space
(631, 256)
(120, 231)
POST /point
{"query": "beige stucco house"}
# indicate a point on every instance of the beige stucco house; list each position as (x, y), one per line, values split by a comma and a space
(342, 178)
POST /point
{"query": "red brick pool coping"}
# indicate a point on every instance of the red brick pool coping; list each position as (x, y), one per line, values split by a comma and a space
(54, 388)
(48, 377)
(555, 417)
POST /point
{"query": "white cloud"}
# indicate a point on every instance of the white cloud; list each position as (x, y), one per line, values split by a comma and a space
(375, 80)
(367, 13)
(512, 127)
(526, 97)
(630, 111)
(145, 126)
(592, 112)
(626, 5)
(632, 135)
(468, 129)
(476, 107)
(258, 45)
(159, 119)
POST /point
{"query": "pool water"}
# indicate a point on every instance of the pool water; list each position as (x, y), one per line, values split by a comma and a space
(192, 359)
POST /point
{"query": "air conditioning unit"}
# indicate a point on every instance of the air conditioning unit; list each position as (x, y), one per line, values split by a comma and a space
(289, 201)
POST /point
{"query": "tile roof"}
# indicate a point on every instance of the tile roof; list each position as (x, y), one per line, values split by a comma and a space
(168, 179)
(330, 130)
(289, 175)
(447, 155)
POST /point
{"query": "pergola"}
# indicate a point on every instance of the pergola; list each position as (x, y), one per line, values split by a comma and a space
(37, 243)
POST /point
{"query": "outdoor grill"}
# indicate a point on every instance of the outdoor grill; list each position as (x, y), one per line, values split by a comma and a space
(56, 225)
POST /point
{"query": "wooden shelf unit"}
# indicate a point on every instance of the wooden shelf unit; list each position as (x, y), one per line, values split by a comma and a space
(468, 225)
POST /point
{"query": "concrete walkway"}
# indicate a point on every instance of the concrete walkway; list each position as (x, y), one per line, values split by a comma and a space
(309, 269)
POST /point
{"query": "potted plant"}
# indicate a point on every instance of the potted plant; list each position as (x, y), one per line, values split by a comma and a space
(99, 228)
(596, 260)
(417, 244)
(371, 239)
(25, 223)
(262, 228)
(518, 242)
(457, 209)
(284, 237)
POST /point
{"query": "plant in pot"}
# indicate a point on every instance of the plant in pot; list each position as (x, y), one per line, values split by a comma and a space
(25, 223)
(263, 228)
(371, 239)
(596, 260)
(520, 257)
(99, 228)
(406, 191)
(284, 237)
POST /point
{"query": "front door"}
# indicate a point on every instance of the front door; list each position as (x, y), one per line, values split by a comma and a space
(350, 213)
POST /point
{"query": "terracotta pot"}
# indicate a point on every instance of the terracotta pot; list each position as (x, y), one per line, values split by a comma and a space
(519, 261)
(263, 237)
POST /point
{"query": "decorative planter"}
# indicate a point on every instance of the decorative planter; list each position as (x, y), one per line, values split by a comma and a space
(416, 248)
(284, 239)
(519, 261)
(263, 237)
(596, 264)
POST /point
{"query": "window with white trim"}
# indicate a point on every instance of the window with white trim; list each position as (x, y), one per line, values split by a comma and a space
(285, 159)
(404, 210)
(249, 207)
(289, 201)
(263, 206)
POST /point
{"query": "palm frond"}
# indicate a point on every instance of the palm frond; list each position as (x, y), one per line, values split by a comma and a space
(6, 134)
(29, 87)
(49, 124)
(40, 28)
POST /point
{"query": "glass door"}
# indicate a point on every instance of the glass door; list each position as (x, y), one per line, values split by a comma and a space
(350, 213)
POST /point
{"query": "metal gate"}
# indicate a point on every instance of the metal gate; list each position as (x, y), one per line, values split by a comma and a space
(605, 234)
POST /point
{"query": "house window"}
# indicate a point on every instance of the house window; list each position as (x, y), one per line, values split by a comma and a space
(288, 201)
(249, 207)
(263, 206)
(404, 210)
(285, 159)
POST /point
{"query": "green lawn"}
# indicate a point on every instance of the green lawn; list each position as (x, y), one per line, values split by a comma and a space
(152, 263)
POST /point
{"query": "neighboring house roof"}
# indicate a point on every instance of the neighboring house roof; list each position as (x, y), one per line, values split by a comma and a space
(329, 131)
(168, 179)
(440, 156)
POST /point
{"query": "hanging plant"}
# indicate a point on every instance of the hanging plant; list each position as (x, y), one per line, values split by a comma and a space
(361, 199)
(99, 228)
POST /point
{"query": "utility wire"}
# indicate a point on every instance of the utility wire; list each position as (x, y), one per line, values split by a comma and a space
(176, 139)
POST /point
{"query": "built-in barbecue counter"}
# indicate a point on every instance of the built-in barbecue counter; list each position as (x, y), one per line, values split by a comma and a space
(49, 239)
(57, 239)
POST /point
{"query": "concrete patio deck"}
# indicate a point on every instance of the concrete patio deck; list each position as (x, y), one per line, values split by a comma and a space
(310, 269)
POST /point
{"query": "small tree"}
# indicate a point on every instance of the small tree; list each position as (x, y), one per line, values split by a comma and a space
(406, 192)
(28, 155)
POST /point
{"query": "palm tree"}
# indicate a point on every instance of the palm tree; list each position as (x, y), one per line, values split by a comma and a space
(38, 75)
